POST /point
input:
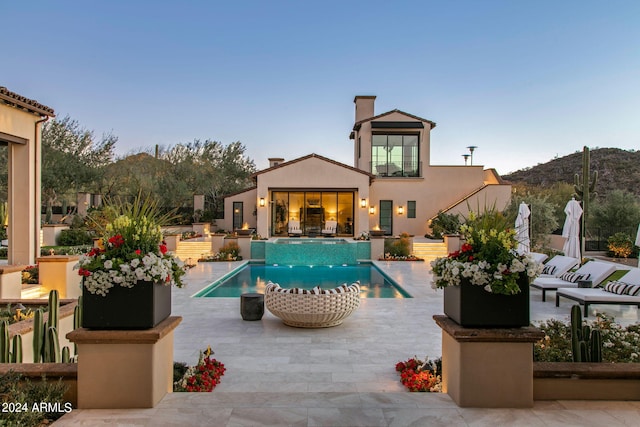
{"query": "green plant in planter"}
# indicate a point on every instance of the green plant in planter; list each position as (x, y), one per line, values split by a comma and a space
(487, 259)
(586, 344)
(131, 249)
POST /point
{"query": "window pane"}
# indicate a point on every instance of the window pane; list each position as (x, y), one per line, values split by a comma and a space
(411, 209)
(410, 156)
(386, 216)
(345, 213)
(379, 155)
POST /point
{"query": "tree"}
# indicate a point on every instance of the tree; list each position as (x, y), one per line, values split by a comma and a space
(175, 173)
(72, 160)
(620, 209)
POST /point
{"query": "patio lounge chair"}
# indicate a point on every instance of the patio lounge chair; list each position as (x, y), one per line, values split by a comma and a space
(329, 228)
(607, 294)
(592, 270)
(558, 265)
(538, 257)
(294, 228)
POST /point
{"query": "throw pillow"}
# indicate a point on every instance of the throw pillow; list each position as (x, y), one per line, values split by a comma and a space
(616, 287)
(574, 277)
(633, 290)
(549, 269)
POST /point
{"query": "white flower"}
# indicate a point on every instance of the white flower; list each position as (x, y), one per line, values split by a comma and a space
(108, 264)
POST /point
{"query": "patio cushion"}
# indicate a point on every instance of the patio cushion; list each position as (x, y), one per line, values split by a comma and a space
(548, 269)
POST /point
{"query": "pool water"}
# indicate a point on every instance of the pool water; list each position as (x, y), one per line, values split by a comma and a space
(254, 278)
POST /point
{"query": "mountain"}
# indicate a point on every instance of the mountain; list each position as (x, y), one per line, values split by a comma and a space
(617, 169)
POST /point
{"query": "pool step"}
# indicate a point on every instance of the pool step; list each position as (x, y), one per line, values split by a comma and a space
(193, 249)
(429, 250)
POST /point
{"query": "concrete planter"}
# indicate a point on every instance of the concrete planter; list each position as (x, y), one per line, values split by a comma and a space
(586, 381)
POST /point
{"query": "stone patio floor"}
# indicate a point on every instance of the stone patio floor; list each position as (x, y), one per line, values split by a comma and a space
(341, 376)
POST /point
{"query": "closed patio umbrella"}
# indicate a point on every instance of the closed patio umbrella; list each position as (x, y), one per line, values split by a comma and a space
(522, 229)
(638, 243)
(571, 229)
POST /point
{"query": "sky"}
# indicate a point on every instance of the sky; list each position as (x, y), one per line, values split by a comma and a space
(524, 81)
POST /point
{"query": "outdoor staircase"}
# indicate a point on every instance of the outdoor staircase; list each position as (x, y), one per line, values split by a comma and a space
(429, 250)
(194, 249)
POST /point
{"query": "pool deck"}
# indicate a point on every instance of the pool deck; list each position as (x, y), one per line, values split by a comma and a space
(341, 376)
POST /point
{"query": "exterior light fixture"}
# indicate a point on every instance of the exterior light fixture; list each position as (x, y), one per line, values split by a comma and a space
(400, 210)
(372, 210)
(363, 203)
(262, 202)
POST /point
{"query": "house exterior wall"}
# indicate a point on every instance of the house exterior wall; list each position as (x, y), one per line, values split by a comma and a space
(362, 156)
(249, 205)
(313, 173)
(24, 183)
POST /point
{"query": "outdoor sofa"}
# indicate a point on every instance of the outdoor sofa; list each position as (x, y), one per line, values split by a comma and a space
(315, 308)
(625, 291)
(595, 271)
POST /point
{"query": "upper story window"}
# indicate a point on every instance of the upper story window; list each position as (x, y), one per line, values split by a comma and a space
(395, 155)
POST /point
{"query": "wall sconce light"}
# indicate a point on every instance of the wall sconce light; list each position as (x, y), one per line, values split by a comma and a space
(400, 210)
(372, 210)
(262, 202)
(363, 203)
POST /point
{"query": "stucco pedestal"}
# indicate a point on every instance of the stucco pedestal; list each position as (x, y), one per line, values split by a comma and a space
(56, 272)
(487, 368)
(377, 247)
(11, 281)
(124, 369)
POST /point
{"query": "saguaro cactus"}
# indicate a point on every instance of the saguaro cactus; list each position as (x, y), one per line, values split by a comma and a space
(38, 334)
(584, 186)
(54, 308)
(16, 355)
(4, 342)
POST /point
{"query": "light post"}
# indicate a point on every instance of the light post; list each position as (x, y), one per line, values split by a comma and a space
(471, 149)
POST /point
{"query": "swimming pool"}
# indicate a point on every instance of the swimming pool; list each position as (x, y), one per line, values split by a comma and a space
(254, 278)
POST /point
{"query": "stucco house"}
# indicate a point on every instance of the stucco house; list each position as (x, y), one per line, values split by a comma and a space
(391, 186)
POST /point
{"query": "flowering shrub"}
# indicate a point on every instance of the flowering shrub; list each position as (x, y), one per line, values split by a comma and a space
(488, 259)
(417, 375)
(202, 377)
(30, 275)
(131, 250)
(229, 252)
(620, 245)
(619, 344)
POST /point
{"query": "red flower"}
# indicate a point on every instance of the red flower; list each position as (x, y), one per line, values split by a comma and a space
(117, 240)
(454, 254)
(83, 272)
(138, 251)
(466, 247)
(163, 249)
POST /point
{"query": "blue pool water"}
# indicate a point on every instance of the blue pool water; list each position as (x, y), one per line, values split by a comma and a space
(254, 278)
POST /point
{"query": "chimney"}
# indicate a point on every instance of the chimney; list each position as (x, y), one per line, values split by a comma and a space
(275, 161)
(364, 107)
